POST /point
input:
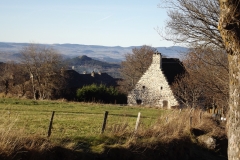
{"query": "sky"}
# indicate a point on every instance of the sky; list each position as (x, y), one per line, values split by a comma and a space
(89, 22)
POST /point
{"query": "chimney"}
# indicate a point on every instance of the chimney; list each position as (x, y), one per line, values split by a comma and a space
(157, 59)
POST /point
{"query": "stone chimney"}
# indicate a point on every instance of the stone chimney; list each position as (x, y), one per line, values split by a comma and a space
(157, 59)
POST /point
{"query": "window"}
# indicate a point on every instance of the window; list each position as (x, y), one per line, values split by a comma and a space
(139, 101)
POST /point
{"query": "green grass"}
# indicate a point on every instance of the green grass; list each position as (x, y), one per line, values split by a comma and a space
(72, 119)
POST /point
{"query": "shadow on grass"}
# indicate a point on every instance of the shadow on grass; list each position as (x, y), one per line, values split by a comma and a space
(183, 149)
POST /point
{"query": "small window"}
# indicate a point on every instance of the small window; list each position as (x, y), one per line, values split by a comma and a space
(143, 87)
(161, 88)
(139, 101)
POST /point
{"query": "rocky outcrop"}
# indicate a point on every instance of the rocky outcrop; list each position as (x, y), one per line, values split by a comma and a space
(207, 141)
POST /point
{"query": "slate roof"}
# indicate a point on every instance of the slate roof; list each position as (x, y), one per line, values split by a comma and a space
(172, 67)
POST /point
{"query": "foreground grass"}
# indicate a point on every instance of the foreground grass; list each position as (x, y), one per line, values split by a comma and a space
(77, 126)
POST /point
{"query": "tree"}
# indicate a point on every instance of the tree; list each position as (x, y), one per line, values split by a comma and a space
(193, 22)
(188, 91)
(43, 66)
(21, 81)
(13, 79)
(209, 68)
(229, 27)
(134, 66)
(6, 77)
(206, 81)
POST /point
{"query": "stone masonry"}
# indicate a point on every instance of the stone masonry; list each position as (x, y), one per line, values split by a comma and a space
(153, 89)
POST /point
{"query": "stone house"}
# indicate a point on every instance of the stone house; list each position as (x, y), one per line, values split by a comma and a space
(153, 88)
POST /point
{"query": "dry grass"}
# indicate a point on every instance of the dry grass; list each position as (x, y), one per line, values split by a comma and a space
(177, 124)
(172, 128)
(173, 124)
(13, 141)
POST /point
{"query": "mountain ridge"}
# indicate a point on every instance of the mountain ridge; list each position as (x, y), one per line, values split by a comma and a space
(87, 61)
(112, 54)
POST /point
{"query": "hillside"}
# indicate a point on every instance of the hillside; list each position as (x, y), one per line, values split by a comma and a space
(86, 64)
(87, 61)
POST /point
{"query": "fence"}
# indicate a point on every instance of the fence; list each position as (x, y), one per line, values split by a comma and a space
(67, 124)
(191, 119)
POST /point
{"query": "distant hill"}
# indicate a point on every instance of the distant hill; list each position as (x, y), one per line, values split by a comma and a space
(115, 54)
(87, 61)
(86, 64)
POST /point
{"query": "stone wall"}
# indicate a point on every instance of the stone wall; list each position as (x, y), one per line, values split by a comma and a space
(153, 89)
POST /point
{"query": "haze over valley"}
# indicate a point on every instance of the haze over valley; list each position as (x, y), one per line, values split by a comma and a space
(112, 54)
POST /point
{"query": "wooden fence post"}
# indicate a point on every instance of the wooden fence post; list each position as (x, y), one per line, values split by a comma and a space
(50, 125)
(137, 122)
(200, 117)
(9, 113)
(190, 122)
(104, 121)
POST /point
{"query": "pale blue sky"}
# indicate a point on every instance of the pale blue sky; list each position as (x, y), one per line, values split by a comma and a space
(90, 22)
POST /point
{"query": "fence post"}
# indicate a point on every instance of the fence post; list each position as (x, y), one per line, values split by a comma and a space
(137, 122)
(104, 121)
(200, 117)
(190, 122)
(50, 125)
(9, 113)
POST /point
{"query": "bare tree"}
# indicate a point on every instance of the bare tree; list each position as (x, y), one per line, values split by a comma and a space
(43, 65)
(229, 27)
(6, 77)
(192, 22)
(134, 66)
(21, 79)
(210, 68)
(12, 79)
(188, 91)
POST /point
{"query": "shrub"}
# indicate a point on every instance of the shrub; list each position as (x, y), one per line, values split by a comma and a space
(100, 93)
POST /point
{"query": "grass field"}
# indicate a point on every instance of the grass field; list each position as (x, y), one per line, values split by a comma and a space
(71, 119)
(76, 129)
